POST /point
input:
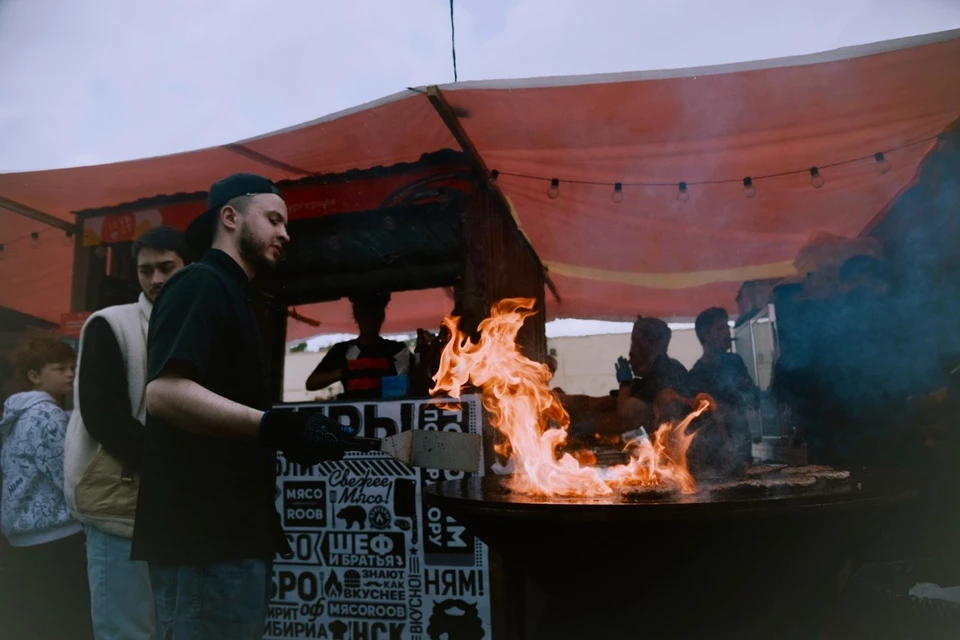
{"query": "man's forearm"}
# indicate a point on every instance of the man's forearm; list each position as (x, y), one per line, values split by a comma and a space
(632, 411)
(187, 405)
(323, 379)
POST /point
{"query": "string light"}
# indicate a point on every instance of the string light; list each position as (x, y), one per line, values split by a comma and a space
(617, 195)
(3, 253)
(67, 239)
(750, 190)
(815, 178)
(494, 175)
(554, 191)
(882, 165)
(35, 240)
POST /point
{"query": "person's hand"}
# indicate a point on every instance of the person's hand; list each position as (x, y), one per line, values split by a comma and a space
(624, 373)
(304, 437)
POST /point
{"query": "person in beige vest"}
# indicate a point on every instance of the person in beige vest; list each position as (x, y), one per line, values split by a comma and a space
(104, 443)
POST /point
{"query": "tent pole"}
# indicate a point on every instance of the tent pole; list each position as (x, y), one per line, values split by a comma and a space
(452, 122)
(39, 216)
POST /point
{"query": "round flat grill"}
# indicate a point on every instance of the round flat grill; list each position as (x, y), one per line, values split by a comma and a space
(742, 563)
(490, 496)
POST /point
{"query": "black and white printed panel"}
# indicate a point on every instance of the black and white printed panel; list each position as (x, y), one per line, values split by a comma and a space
(371, 560)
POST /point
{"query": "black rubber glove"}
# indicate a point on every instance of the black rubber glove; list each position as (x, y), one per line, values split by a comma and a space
(304, 437)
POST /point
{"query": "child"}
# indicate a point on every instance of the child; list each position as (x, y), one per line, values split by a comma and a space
(47, 559)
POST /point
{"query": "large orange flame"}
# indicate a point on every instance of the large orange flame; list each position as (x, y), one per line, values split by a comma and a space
(516, 392)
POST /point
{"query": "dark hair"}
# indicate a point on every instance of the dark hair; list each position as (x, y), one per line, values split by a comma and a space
(375, 301)
(240, 204)
(653, 330)
(162, 238)
(863, 267)
(38, 353)
(707, 319)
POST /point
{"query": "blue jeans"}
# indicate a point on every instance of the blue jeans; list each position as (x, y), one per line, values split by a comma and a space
(212, 601)
(121, 601)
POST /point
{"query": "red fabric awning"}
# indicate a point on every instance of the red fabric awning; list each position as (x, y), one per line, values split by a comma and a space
(650, 253)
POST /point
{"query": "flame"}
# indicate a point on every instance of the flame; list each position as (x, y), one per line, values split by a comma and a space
(516, 393)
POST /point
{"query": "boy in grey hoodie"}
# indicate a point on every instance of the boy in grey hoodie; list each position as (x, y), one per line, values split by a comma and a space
(47, 559)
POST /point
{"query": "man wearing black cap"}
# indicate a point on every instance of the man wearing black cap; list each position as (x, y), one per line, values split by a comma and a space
(206, 521)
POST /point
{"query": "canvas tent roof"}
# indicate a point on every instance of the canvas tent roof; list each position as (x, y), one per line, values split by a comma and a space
(650, 253)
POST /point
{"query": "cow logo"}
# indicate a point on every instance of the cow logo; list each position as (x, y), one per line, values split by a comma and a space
(354, 514)
(379, 518)
(455, 620)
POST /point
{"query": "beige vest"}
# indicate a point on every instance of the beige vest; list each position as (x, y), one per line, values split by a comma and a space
(96, 488)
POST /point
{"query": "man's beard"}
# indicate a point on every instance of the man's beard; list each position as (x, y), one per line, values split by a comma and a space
(253, 250)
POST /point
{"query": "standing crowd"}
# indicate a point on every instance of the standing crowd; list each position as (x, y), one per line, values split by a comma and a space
(147, 511)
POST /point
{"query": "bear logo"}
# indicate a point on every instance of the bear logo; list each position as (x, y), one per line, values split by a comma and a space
(354, 514)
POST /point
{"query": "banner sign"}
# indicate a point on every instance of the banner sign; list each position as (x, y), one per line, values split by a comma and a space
(372, 561)
(307, 200)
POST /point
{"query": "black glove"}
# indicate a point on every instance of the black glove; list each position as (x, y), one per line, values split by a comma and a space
(304, 437)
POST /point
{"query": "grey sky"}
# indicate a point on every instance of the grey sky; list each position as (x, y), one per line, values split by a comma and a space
(91, 81)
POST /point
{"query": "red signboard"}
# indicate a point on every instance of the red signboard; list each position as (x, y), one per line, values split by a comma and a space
(307, 200)
(71, 323)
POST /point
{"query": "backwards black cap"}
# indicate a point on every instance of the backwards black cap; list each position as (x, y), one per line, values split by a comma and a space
(201, 230)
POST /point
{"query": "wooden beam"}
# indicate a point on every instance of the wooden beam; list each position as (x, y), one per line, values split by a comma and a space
(449, 117)
(39, 216)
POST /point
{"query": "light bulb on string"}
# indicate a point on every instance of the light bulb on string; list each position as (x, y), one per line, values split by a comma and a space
(35, 240)
(494, 175)
(554, 191)
(682, 193)
(882, 164)
(67, 239)
(748, 189)
(3, 253)
(815, 178)
(617, 195)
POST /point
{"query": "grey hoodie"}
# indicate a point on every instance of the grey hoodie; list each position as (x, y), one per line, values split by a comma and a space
(33, 509)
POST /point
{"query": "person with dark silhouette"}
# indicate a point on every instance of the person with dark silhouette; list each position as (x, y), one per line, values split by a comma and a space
(362, 363)
(649, 382)
(723, 376)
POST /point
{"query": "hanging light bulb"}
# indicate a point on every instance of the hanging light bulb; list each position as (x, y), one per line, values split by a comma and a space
(748, 188)
(67, 239)
(682, 194)
(35, 240)
(554, 191)
(815, 178)
(617, 195)
(882, 165)
(3, 253)
(494, 175)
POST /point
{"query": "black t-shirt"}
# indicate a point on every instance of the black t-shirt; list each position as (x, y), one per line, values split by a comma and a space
(666, 373)
(205, 499)
(363, 366)
(726, 379)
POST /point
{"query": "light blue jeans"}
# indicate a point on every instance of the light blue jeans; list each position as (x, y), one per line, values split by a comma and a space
(225, 601)
(121, 601)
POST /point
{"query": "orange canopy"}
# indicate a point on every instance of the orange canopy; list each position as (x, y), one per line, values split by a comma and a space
(651, 253)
